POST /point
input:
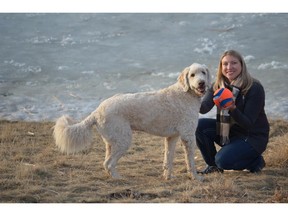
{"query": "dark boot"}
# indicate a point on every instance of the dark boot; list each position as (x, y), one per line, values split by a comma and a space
(211, 169)
(259, 168)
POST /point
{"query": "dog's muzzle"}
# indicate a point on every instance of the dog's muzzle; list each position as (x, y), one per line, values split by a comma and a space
(201, 89)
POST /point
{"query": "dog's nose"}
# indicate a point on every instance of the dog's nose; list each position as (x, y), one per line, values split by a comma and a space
(201, 83)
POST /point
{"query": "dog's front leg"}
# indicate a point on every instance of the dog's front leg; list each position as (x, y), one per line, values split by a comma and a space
(170, 144)
(189, 148)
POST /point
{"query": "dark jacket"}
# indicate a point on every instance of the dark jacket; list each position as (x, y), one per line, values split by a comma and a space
(251, 122)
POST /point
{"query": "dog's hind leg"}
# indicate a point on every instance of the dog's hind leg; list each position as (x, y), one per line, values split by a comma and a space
(189, 148)
(170, 144)
(115, 149)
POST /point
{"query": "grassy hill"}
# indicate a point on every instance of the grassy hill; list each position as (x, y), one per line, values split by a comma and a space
(33, 170)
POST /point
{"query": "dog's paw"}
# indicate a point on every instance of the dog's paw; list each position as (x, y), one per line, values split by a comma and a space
(115, 175)
(199, 178)
(167, 175)
(196, 177)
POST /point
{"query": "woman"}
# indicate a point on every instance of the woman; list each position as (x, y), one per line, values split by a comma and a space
(249, 127)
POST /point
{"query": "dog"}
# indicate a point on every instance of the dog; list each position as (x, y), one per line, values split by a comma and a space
(170, 112)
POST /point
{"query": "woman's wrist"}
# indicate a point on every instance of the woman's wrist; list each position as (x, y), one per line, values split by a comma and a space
(232, 108)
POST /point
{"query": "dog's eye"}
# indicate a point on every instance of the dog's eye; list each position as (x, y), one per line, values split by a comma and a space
(203, 72)
(192, 75)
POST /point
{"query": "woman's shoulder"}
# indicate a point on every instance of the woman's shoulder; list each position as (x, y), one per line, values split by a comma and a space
(256, 87)
(256, 83)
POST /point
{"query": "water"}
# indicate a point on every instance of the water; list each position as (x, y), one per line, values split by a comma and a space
(55, 64)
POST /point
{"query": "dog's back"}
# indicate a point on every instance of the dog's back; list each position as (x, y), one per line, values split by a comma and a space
(159, 113)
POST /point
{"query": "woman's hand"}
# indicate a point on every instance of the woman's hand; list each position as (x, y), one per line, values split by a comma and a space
(230, 107)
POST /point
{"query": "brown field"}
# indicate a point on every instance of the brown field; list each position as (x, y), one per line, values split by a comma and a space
(32, 170)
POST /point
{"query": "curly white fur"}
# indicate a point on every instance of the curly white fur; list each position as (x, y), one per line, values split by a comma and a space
(171, 112)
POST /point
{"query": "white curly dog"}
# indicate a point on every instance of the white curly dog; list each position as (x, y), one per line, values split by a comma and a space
(171, 112)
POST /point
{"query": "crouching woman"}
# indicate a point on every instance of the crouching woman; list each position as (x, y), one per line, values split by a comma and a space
(241, 128)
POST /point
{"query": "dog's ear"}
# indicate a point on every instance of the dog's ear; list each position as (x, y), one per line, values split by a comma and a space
(208, 76)
(183, 79)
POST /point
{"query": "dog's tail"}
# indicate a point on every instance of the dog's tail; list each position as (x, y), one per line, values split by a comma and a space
(73, 137)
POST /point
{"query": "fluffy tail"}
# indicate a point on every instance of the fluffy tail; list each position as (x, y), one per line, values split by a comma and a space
(72, 138)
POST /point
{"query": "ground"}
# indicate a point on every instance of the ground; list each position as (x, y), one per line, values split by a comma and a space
(34, 171)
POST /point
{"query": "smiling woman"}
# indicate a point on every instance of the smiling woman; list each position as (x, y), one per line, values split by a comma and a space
(241, 129)
(231, 67)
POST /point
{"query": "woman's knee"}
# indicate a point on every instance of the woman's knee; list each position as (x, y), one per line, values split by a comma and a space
(234, 156)
(224, 161)
(220, 162)
(205, 124)
(205, 132)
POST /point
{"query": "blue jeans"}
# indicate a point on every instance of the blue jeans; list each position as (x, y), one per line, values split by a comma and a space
(237, 155)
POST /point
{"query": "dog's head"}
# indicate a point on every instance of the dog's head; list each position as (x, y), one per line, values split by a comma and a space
(195, 77)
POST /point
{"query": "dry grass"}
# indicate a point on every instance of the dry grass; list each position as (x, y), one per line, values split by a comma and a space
(33, 170)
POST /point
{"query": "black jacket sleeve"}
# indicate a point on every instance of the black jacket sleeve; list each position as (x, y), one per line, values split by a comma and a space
(207, 102)
(253, 105)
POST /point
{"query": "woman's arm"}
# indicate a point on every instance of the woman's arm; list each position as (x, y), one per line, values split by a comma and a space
(254, 103)
(207, 101)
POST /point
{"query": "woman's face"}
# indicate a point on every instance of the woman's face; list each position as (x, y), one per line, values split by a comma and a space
(231, 67)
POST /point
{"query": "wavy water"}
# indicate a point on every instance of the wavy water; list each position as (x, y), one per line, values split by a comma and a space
(54, 64)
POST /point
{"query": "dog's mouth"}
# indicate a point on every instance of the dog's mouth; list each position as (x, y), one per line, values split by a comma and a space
(201, 88)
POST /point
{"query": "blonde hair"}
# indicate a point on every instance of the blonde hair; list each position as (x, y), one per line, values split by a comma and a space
(244, 81)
